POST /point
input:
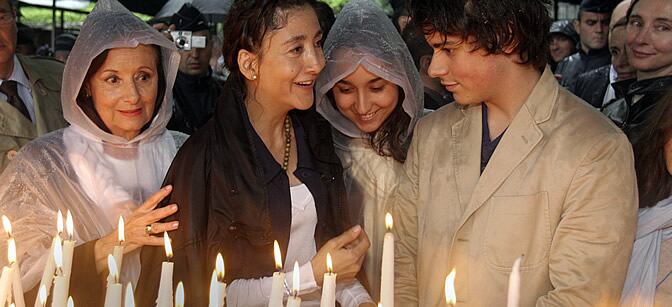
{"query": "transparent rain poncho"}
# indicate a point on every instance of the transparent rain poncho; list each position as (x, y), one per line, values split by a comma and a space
(364, 35)
(96, 175)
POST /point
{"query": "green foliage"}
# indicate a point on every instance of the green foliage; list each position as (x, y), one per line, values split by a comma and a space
(41, 17)
(337, 5)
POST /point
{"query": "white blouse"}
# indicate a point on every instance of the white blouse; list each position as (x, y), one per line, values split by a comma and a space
(301, 248)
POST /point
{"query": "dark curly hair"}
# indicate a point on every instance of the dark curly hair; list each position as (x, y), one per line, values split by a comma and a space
(247, 24)
(653, 179)
(493, 25)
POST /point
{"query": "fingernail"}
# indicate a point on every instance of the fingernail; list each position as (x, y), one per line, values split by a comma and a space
(175, 224)
(168, 187)
(173, 207)
(357, 229)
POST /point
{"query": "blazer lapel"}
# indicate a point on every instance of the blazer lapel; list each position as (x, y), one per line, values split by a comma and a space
(13, 123)
(466, 134)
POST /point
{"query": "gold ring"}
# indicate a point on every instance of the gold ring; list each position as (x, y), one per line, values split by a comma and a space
(148, 229)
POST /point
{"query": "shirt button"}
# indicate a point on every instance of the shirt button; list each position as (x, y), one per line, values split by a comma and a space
(11, 154)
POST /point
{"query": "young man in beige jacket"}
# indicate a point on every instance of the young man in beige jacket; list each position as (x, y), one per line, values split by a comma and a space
(518, 166)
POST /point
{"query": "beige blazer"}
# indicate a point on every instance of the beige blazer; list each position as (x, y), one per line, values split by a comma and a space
(15, 129)
(560, 188)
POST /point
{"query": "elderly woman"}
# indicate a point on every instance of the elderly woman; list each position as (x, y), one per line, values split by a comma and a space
(109, 163)
(649, 281)
(371, 93)
(263, 169)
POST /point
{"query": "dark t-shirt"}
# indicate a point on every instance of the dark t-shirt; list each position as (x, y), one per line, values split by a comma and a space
(487, 146)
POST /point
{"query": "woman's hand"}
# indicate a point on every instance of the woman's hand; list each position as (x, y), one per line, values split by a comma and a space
(347, 254)
(135, 228)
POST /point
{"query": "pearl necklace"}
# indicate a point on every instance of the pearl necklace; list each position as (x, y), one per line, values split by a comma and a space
(288, 143)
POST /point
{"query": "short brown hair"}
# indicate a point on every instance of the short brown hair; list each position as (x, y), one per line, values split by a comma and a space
(495, 25)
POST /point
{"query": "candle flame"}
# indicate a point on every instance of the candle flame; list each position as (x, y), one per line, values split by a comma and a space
(112, 265)
(11, 250)
(330, 264)
(121, 236)
(451, 298)
(388, 221)
(278, 255)
(12, 305)
(58, 253)
(380, 304)
(214, 289)
(7, 225)
(43, 295)
(179, 295)
(129, 300)
(71, 303)
(169, 248)
(59, 222)
(296, 280)
(69, 225)
(219, 266)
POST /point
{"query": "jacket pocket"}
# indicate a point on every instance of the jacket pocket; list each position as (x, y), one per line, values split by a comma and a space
(517, 225)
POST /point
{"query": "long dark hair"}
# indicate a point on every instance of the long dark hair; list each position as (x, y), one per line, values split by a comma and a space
(390, 139)
(653, 179)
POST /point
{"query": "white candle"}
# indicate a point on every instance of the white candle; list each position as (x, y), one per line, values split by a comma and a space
(387, 269)
(277, 289)
(165, 298)
(50, 266)
(42, 296)
(329, 285)
(214, 291)
(219, 266)
(60, 297)
(179, 295)
(17, 288)
(129, 300)
(451, 297)
(118, 252)
(513, 299)
(68, 246)
(5, 284)
(71, 303)
(294, 300)
(113, 293)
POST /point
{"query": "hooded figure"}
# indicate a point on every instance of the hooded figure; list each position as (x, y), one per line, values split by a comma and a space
(364, 36)
(84, 168)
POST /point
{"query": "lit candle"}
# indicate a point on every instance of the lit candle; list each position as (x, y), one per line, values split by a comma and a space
(219, 266)
(329, 285)
(451, 297)
(42, 296)
(113, 293)
(68, 245)
(129, 300)
(71, 303)
(277, 290)
(7, 273)
(214, 291)
(179, 295)
(387, 269)
(60, 297)
(50, 266)
(513, 299)
(294, 300)
(17, 288)
(165, 298)
(118, 252)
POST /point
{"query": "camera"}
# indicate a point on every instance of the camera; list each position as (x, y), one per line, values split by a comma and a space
(184, 40)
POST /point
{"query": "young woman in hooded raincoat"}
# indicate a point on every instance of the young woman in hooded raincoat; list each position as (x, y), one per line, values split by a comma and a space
(371, 93)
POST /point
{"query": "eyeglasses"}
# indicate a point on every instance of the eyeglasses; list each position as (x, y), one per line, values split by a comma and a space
(6, 18)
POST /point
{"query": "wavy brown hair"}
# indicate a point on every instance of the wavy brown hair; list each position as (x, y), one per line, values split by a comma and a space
(653, 179)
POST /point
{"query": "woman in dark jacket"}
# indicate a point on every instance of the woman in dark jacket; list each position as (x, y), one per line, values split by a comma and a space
(263, 169)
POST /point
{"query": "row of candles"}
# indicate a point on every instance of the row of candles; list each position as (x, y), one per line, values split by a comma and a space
(59, 266)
